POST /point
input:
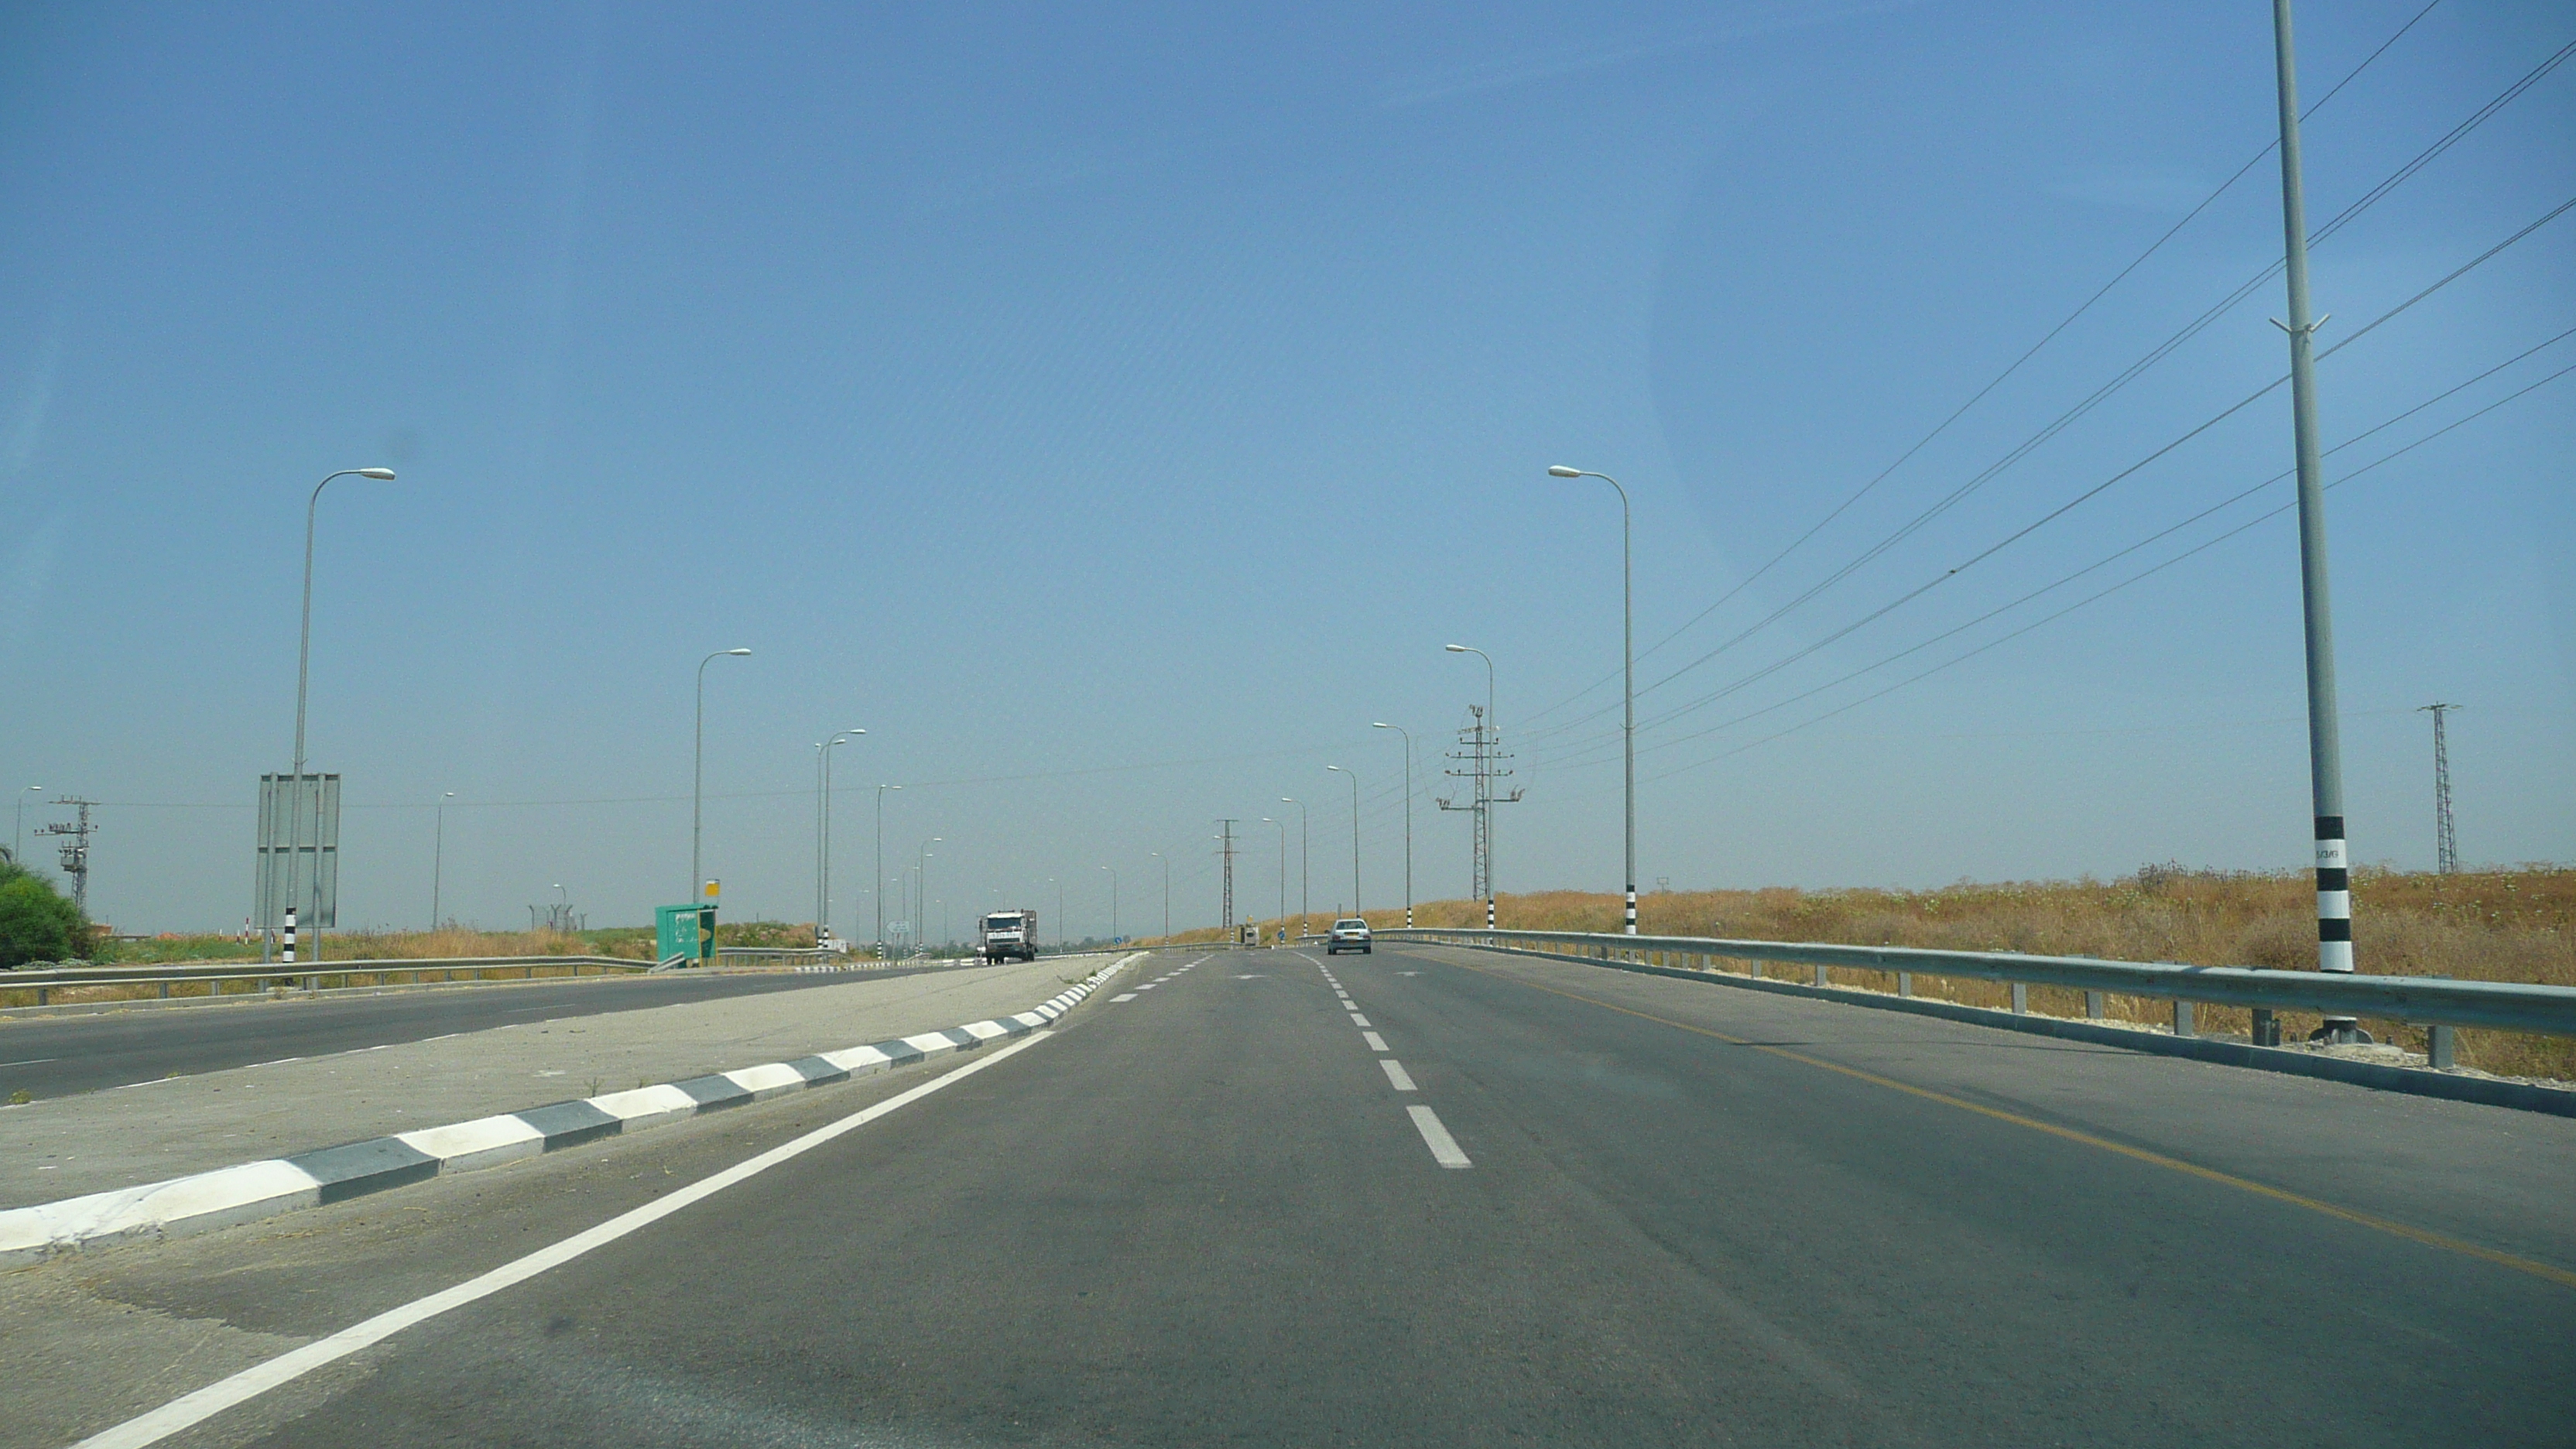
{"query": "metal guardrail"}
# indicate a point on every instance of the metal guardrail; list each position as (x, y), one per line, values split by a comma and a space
(2432, 1001)
(309, 976)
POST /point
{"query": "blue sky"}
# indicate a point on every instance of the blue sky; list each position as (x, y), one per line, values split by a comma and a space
(1114, 410)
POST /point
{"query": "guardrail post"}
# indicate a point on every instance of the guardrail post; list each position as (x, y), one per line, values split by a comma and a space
(2267, 1027)
(2093, 1005)
(165, 991)
(2182, 1018)
(40, 996)
(2021, 998)
(1905, 983)
(1820, 976)
(2438, 1051)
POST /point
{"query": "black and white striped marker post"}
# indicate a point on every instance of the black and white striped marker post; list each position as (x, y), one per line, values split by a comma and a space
(290, 935)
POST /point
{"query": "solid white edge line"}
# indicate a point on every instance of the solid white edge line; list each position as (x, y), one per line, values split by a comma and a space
(1444, 1148)
(195, 1408)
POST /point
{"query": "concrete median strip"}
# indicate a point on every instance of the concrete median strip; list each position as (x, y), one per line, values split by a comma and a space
(243, 1193)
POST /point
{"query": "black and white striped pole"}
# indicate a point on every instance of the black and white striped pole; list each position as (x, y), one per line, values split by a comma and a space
(290, 933)
(2325, 744)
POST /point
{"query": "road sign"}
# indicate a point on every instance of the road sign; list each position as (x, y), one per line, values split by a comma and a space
(299, 838)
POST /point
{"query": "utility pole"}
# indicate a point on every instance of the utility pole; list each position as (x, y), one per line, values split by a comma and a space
(2325, 741)
(75, 851)
(1480, 751)
(1408, 815)
(438, 859)
(1227, 850)
(2446, 846)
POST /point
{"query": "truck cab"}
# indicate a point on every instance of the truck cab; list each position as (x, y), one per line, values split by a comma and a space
(1009, 935)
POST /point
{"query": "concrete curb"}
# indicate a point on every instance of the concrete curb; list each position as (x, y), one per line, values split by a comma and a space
(256, 1190)
(2413, 1081)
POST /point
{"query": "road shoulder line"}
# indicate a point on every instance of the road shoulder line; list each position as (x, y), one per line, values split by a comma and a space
(249, 1191)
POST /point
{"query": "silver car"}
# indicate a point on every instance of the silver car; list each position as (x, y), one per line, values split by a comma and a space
(1348, 934)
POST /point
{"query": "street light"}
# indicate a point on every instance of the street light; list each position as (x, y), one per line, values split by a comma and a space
(18, 838)
(1408, 814)
(879, 891)
(1355, 836)
(303, 661)
(1113, 903)
(698, 773)
(1283, 866)
(1304, 902)
(921, 889)
(1627, 672)
(1495, 735)
(823, 831)
(1167, 891)
(438, 858)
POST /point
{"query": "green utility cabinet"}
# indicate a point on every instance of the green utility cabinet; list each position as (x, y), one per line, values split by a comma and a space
(684, 935)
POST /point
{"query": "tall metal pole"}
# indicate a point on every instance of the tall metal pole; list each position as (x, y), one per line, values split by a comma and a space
(1494, 732)
(1305, 904)
(438, 858)
(921, 889)
(1167, 891)
(1113, 901)
(823, 830)
(698, 773)
(879, 890)
(2446, 844)
(303, 662)
(18, 837)
(1355, 835)
(1408, 815)
(1627, 675)
(1283, 865)
(2325, 743)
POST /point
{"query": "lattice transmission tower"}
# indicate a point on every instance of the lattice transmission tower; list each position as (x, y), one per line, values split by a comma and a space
(2446, 844)
(1480, 749)
(75, 849)
(1227, 848)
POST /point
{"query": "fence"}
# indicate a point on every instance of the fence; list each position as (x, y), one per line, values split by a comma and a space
(256, 979)
(2438, 1003)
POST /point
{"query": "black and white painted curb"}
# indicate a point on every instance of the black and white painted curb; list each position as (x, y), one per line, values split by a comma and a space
(255, 1190)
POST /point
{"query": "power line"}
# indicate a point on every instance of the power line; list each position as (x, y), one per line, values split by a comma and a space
(2100, 394)
(1935, 582)
(2080, 603)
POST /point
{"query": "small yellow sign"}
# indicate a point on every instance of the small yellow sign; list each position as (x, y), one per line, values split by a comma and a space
(714, 889)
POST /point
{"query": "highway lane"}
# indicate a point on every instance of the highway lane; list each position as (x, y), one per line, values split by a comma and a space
(1210, 1213)
(57, 1056)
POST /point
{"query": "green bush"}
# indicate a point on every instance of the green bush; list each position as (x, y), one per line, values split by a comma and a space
(35, 923)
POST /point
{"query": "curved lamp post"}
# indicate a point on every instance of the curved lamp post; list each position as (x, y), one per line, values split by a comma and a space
(698, 773)
(1113, 902)
(1304, 905)
(1283, 866)
(438, 858)
(1167, 891)
(879, 890)
(1408, 814)
(823, 831)
(303, 661)
(18, 840)
(1355, 835)
(1627, 673)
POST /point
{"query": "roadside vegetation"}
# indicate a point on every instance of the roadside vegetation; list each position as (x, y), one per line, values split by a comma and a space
(2514, 924)
(633, 943)
(36, 922)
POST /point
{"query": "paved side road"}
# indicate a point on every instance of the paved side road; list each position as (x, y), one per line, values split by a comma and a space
(60, 1055)
(1215, 1209)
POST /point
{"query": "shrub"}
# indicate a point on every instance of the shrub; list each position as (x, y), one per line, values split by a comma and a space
(35, 923)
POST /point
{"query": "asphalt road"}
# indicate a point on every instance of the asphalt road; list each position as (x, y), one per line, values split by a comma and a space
(56, 1056)
(1583, 1207)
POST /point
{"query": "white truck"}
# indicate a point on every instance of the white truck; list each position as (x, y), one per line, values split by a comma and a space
(1009, 935)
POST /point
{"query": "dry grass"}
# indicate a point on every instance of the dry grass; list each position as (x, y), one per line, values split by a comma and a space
(2505, 925)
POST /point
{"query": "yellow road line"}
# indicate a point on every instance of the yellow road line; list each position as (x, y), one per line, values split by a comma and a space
(2559, 1276)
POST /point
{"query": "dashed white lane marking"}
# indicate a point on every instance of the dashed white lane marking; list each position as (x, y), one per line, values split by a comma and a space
(1358, 1020)
(281, 1061)
(195, 1408)
(1396, 1076)
(1122, 996)
(1376, 1043)
(1150, 985)
(29, 1061)
(1444, 1148)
